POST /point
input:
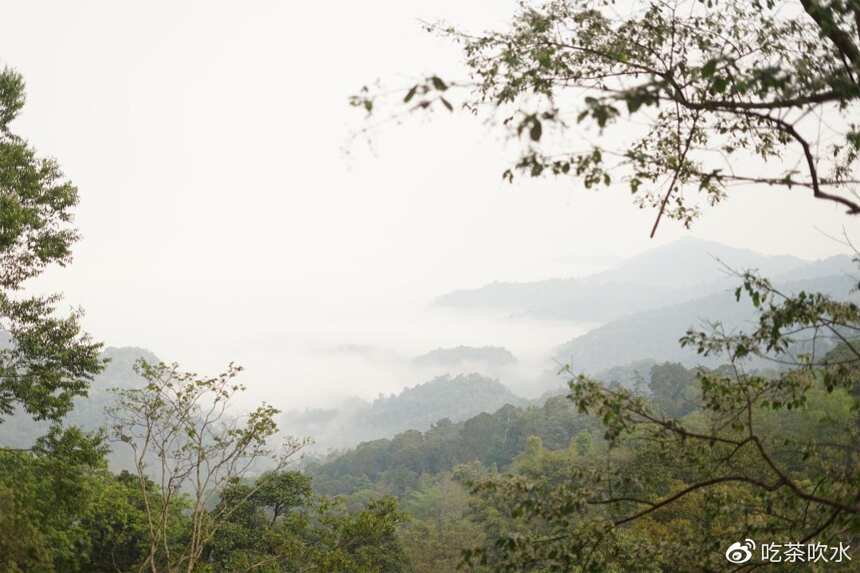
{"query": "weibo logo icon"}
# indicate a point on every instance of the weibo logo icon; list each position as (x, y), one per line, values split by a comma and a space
(738, 552)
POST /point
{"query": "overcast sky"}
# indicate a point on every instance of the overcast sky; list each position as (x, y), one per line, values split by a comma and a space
(218, 209)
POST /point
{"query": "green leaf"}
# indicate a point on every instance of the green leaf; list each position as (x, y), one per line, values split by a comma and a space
(438, 83)
(536, 131)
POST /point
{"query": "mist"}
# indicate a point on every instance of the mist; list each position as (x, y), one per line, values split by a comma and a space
(429, 287)
(227, 217)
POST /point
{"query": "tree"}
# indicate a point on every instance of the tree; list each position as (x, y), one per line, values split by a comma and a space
(437, 529)
(254, 511)
(61, 510)
(280, 527)
(279, 492)
(45, 360)
(673, 389)
(179, 423)
(362, 542)
(730, 92)
(22, 546)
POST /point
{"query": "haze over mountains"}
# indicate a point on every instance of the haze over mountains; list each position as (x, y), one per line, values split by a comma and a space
(644, 305)
(457, 398)
(681, 271)
(19, 430)
(655, 333)
(648, 302)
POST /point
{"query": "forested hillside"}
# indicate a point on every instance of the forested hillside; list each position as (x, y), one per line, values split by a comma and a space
(495, 440)
(459, 359)
(414, 408)
(503, 475)
(395, 465)
(654, 334)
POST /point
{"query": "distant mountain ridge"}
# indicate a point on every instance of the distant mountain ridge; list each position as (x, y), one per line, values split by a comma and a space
(464, 358)
(693, 263)
(654, 333)
(680, 271)
(20, 430)
(493, 438)
(415, 408)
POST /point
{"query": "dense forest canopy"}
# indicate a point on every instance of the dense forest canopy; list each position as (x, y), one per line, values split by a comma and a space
(415, 408)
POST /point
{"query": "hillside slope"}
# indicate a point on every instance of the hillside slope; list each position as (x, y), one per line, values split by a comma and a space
(20, 431)
(494, 439)
(416, 408)
(680, 271)
(654, 334)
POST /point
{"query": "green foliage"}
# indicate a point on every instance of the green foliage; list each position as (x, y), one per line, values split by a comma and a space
(414, 408)
(718, 85)
(438, 529)
(48, 360)
(673, 389)
(180, 422)
(758, 455)
(277, 526)
(395, 466)
(64, 512)
(456, 397)
(363, 541)
(89, 412)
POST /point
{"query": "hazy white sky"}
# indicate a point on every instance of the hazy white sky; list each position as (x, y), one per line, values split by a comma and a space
(217, 208)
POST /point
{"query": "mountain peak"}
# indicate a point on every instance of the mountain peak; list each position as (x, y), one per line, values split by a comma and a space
(681, 270)
(690, 261)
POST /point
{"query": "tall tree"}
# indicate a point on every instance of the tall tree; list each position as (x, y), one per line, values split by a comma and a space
(717, 93)
(181, 431)
(45, 359)
(673, 389)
